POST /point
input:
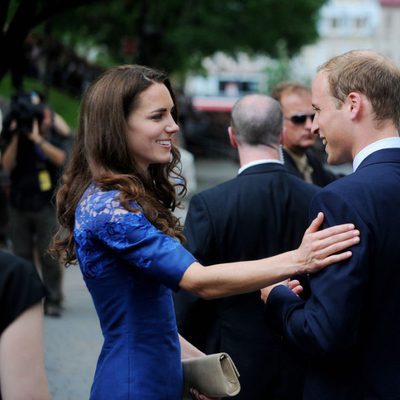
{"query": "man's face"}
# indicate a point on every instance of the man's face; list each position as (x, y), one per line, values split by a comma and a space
(297, 110)
(331, 122)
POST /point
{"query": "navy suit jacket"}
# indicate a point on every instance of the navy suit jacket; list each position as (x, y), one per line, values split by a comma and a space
(350, 325)
(260, 213)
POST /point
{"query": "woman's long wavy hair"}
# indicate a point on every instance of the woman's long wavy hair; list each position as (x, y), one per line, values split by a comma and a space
(101, 155)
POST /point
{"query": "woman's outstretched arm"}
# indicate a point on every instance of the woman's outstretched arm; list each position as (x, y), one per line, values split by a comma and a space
(317, 250)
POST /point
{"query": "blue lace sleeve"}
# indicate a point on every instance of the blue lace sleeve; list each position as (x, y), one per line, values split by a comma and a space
(133, 238)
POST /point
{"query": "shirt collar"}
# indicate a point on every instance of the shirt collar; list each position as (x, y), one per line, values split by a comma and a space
(258, 162)
(387, 143)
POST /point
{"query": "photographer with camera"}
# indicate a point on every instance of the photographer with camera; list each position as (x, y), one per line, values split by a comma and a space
(33, 156)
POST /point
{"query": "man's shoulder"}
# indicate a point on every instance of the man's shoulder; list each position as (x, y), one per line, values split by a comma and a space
(15, 269)
(297, 182)
(348, 188)
(281, 181)
(342, 184)
(11, 263)
(217, 190)
(297, 185)
(364, 176)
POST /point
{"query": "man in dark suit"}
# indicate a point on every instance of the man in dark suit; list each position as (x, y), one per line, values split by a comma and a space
(299, 154)
(260, 213)
(351, 322)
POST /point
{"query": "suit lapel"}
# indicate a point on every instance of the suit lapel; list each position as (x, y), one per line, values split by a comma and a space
(381, 156)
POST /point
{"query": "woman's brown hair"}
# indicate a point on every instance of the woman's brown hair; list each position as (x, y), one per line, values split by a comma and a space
(101, 155)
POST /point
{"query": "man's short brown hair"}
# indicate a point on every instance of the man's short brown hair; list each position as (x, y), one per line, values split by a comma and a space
(289, 87)
(371, 74)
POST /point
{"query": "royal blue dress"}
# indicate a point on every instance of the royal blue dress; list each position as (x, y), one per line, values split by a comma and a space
(130, 269)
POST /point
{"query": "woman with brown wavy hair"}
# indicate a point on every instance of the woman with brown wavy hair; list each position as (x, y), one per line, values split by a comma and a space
(114, 208)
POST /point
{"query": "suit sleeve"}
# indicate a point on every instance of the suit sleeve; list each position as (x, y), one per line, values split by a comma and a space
(198, 230)
(193, 314)
(328, 321)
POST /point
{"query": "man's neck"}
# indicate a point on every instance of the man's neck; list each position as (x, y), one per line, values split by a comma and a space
(366, 136)
(386, 143)
(248, 154)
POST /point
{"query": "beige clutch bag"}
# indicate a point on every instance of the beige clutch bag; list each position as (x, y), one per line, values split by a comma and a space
(214, 375)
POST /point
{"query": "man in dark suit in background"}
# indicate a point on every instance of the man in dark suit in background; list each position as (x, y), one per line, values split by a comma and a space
(350, 324)
(299, 154)
(260, 213)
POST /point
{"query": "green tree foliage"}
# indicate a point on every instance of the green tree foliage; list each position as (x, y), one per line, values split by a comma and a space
(19, 17)
(174, 35)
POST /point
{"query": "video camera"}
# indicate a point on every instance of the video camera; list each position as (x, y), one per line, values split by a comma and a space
(24, 109)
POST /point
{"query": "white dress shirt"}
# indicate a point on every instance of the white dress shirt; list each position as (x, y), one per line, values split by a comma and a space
(257, 162)
(387, 143)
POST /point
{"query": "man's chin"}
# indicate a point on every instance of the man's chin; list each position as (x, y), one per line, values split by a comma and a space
(330, 159)
(337, 158)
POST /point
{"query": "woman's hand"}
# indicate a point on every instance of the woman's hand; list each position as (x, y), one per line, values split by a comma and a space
(320, 248)
(196, 395)
(293, 285)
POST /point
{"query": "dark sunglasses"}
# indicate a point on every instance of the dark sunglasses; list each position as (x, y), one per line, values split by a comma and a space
(300, 119)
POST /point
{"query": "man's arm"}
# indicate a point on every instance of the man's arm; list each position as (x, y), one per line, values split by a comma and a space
(9, 156)
(328, 320)
(199, 231)
(55, 155)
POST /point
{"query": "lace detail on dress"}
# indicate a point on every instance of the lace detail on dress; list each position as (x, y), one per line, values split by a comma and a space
(95, 202)
(105, 231)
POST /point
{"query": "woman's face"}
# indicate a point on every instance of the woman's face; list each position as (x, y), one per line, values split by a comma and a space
(151, 127)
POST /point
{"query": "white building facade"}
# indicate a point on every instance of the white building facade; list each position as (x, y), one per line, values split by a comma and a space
(352, 24)
(388, 33)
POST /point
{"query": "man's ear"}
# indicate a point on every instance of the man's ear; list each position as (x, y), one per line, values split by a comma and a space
(232, 137)
(354, 104)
